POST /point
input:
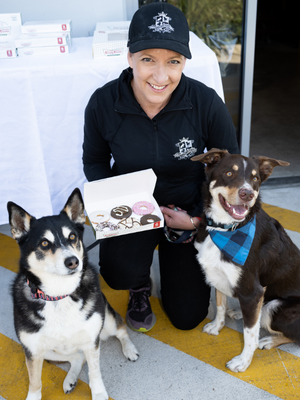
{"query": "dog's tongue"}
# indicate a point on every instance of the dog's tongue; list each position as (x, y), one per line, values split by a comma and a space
(237, 212)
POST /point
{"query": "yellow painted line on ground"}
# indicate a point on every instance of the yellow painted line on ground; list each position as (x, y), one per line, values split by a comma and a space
(9, 253)
(288, 219)
(14, 377)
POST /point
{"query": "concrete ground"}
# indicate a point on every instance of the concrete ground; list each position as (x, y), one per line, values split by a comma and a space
(173, 365)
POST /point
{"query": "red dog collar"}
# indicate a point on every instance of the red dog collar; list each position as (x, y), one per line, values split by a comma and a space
(36, 293)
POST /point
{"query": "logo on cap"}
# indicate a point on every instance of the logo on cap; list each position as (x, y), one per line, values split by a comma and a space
(162, 24)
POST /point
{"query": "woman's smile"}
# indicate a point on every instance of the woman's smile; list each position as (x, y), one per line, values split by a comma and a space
(156, 87)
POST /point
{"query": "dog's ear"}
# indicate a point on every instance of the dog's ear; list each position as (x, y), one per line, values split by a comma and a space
(211, 157)
(74, 207)
(267, 164)
(19, 221)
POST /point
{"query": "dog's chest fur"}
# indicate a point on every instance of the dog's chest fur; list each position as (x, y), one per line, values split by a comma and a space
(65, 328)
(223, 275)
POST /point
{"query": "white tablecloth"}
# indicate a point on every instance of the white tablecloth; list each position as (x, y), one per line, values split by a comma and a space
(42, 104)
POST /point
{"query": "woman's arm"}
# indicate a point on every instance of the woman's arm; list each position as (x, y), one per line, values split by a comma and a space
(96, 151)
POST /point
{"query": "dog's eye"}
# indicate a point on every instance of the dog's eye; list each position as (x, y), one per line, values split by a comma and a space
(72, 236)
(255, 178)
(229, 173)
(44, 243)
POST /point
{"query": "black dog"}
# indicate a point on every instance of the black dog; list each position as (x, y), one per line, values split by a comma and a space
(60, 314)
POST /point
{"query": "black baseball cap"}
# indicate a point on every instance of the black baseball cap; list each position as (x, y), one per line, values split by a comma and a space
(159, 25)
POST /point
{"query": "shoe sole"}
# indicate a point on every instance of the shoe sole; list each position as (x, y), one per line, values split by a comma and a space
(141, 329)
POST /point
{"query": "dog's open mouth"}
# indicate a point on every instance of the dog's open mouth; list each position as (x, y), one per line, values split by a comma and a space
(235, 211)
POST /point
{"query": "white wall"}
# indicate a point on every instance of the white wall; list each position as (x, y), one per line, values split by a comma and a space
(83, 13)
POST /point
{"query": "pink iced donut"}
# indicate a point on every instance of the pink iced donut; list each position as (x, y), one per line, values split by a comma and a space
(143, 208)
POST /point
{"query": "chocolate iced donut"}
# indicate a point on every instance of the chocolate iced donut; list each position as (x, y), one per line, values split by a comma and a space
(121, 212)
(149, 219)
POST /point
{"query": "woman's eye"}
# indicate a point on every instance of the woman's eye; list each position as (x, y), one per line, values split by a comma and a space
(146, 59)
(175, 62)
(229, 173)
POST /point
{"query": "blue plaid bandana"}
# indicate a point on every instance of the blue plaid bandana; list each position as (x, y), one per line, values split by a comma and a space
(236, 244)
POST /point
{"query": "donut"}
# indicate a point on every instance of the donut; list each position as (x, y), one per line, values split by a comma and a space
(143, 208)
(106, 226)
(149, 219)
(128, 223)
(96, 217)
(121, 212)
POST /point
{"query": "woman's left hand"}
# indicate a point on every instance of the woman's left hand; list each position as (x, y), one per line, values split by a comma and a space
(178, 219)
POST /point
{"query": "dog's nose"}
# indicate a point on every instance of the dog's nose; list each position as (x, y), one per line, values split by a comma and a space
(246, 194)
(71, 262)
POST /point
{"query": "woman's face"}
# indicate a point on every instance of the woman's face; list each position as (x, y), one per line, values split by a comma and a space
(156, 74)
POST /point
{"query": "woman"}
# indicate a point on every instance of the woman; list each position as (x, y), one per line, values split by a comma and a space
(153, 116)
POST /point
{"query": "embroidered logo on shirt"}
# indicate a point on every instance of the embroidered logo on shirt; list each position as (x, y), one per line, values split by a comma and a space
(162, 24)
(186, 149)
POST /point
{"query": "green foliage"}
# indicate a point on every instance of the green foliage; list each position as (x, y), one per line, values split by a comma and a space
(208, 16)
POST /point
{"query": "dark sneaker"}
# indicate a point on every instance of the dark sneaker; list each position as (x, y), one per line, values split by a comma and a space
(139, 316)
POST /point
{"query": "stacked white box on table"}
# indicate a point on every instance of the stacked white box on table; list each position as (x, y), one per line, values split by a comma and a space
(44, 37)
(47, 26)
(110, 39)
(7, 50)
(10, 28)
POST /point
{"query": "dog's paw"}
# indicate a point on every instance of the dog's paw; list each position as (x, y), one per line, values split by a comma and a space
(34, 396)
(266, 343)
(212, 328)
(235, 313)
(130, 352)
(69, 385)
(128, 348)
(239, 363)
(100, 396)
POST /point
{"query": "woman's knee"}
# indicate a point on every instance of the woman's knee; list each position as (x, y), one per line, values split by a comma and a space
(187, 312)
(187, 321)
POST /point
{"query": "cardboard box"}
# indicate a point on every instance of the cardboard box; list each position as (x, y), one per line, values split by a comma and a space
(35, 40)
(113, 26)
(110, 39)
(10, 26)
(41, 51)
(47, 26)
(8, 50)
(100, 197)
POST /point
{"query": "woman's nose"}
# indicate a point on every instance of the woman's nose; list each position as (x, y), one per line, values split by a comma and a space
(160, 74)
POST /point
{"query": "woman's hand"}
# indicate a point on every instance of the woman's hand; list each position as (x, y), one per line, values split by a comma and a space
(178, 219)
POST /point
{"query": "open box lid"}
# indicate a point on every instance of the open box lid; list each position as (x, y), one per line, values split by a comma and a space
(121, 185)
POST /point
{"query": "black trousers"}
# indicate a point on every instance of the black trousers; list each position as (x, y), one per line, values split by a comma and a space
(125, 263)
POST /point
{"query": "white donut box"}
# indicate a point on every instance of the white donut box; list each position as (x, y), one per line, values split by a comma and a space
(127, 189)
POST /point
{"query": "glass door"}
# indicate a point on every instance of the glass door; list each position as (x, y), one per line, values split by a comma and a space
(219, 23)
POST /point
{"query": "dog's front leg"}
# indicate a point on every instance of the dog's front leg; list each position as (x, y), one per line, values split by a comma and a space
(76, 360)
(95, 379)
(214, 327)
(34, 367)
(251, 309)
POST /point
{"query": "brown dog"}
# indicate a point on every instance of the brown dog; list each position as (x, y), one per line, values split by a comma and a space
(246, 254)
